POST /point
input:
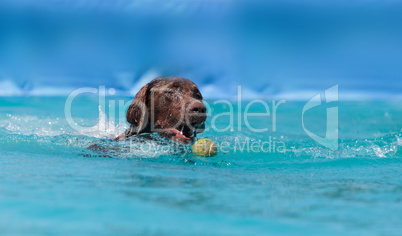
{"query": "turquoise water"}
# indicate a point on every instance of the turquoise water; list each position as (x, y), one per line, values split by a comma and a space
(51, 183)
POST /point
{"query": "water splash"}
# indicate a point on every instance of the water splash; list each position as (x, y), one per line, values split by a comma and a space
(382, 147)
(104, 128)
(398, 140)
(54, 132)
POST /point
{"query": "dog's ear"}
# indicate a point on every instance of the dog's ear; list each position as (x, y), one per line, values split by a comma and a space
(137, 113)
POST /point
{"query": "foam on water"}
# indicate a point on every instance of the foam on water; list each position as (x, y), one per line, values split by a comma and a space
(104, 128)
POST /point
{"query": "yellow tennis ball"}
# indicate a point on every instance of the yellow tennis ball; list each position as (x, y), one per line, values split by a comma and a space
(205, 147)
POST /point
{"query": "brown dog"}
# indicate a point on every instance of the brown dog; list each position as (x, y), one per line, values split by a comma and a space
(171, 106)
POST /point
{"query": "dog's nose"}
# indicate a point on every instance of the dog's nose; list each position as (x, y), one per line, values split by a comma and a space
(198, 108)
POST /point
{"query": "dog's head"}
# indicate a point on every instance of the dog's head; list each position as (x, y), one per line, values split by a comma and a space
(171, 106)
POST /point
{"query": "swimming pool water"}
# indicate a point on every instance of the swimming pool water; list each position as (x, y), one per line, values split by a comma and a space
(51, 183)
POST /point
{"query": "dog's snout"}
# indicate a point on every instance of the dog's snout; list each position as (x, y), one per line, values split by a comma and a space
(198, 108)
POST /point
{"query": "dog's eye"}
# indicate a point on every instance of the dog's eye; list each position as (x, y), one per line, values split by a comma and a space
(197, 94)
(170, 91)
